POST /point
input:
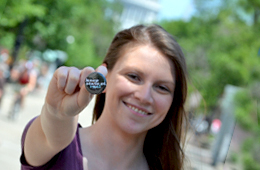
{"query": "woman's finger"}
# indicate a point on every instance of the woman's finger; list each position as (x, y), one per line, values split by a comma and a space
(72, 80)
(102, 69)
(61, 76)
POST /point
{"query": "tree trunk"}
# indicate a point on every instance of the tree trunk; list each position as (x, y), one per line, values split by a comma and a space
(256, 15)
(17, 43)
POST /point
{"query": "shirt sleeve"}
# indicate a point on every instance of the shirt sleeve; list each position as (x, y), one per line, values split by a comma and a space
(60, 160)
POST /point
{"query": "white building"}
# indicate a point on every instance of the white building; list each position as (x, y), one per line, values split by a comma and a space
(138, 12)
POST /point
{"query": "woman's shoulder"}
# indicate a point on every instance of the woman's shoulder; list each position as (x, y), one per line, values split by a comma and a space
(72, 153)
(26, 129)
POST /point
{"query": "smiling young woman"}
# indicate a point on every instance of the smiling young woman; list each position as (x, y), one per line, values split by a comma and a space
(163, 143)
(138, 120)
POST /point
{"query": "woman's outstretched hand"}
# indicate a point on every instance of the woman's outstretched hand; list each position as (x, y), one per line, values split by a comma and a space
(67, 95)
(56, 127)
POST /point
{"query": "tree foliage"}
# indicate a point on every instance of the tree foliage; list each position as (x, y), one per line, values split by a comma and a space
(49, 24)
(220, 50)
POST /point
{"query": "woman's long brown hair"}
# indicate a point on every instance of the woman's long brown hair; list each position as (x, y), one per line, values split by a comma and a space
(163, 144)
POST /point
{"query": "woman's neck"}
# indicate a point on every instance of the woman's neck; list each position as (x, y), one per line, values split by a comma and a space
(106, 144)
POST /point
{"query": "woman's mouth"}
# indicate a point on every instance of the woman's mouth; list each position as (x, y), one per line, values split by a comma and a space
(140, 111)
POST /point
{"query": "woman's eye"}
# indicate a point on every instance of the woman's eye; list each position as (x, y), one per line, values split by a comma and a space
(163, 89)
(133, 77)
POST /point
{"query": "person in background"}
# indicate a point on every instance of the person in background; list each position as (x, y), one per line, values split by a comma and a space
(139, 121)
(4, 73)
(43, 76)
(25, 78)
(2, 84)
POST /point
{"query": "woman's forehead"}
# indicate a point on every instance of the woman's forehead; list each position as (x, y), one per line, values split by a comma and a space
(145, 56)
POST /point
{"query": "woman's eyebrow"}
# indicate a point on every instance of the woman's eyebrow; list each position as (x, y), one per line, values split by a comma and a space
(134, 69)
(169, 83)
(140, 72)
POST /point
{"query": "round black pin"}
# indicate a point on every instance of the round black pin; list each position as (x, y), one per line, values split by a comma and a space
(95, 83)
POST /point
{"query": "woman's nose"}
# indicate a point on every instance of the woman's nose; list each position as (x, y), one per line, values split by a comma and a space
(144, 94)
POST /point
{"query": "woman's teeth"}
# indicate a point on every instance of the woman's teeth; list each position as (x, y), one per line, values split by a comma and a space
(138, 111)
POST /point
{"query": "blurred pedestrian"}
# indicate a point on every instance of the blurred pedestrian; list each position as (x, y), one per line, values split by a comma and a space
(4, 73)
(2, 84)
(42, 78)
(25, 78)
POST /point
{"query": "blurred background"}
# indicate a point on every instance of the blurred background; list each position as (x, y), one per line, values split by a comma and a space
(220, 39)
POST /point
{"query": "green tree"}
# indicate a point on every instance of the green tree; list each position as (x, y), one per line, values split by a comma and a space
(50, 23)
(219, 50)
(12, 14)
(251, 7)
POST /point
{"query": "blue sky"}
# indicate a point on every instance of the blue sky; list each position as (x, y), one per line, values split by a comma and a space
(175, 9)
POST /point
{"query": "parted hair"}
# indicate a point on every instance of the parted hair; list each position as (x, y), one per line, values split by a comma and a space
(163, 146)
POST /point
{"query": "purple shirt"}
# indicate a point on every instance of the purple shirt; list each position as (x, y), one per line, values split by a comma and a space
(69, 158)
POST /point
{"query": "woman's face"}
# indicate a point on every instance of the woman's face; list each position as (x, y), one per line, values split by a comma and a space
(140, 89)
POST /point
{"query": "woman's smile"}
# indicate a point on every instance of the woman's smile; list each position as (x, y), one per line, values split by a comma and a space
(137, 110)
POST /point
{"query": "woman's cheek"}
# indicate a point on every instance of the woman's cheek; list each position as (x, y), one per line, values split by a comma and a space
(163, 102)
(124, 84)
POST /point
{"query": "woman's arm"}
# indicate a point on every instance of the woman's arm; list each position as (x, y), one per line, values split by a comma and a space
(55, 128)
